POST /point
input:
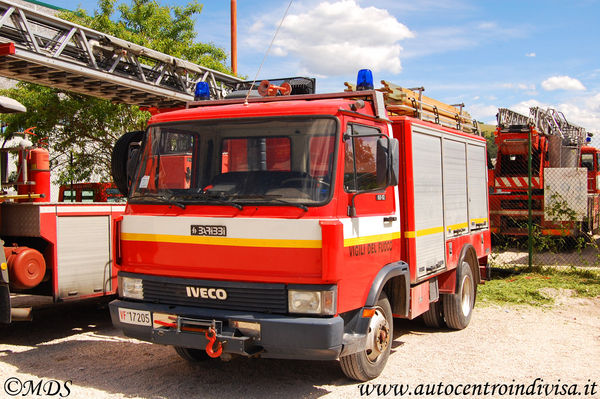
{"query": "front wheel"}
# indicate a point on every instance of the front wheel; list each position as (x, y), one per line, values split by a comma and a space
(369, 363)
(458, 307)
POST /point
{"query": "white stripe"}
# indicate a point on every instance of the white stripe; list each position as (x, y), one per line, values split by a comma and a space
(369, 226)
(251, 228)
(79, 208)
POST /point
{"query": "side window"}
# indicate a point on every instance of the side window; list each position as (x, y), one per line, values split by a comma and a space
(587, 161)
(360, 159)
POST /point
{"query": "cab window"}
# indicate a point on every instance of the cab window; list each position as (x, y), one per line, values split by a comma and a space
(360, 159)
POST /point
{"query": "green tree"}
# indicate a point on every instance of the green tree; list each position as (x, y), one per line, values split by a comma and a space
(79, 130)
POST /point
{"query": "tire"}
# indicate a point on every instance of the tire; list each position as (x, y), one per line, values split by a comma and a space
(192, 355)
(119, 160)
(458, 307)
(369, 363)
(434, 317)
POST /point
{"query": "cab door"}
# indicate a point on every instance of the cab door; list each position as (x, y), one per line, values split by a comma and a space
(372, 228)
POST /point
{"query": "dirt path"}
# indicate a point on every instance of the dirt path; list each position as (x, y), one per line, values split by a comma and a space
(502, 344)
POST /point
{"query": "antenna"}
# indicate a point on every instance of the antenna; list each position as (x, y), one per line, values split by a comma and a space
(267, 52)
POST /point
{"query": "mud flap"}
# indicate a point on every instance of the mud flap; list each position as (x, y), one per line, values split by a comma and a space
(4, 304)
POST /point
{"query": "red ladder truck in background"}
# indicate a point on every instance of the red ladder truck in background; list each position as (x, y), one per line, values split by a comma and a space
(299, 226)
(564, 180)
(62, 251)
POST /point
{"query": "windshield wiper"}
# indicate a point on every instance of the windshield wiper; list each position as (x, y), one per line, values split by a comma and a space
(275, 198)
(218, 197)
(169, 199)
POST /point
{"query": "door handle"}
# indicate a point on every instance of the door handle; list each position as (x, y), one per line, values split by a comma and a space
(389, 219)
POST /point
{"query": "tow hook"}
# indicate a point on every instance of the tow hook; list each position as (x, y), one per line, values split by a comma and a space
(211, 336)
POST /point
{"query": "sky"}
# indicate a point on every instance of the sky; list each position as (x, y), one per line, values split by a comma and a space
(483, 53)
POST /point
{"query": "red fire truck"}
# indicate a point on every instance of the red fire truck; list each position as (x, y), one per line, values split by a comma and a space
(53, 251)
(565, 195)
(62, 251)
(298, 226)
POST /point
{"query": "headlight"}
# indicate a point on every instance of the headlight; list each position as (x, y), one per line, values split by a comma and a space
(131, 288)
(311, 302)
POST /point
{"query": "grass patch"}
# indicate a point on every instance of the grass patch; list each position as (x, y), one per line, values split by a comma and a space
(514, 285)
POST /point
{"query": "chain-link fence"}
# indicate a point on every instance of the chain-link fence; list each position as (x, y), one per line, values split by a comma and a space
(544, 201)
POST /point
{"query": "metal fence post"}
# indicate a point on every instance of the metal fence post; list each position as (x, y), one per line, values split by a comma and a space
(529, 204)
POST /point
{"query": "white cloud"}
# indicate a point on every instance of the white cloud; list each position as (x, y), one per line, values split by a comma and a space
(482, 112)
(532, 54)
(487, 25)
(523, 106)
(562, 83)
(518, 86)
(340, 37)
(583, 111)
(441, 39)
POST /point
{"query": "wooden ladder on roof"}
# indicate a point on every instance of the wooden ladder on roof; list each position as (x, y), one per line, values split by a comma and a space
(401, 101)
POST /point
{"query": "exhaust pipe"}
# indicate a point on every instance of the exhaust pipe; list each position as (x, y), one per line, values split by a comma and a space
(21, 314)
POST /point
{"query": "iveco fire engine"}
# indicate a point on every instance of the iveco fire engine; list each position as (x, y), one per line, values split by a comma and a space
(299, 225)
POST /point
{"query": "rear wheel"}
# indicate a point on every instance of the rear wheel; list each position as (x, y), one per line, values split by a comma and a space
(369, 363)
(458, 307)
(434, 317)
(192, 355)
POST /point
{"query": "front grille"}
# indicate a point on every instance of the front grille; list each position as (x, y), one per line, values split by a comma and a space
(254, 297)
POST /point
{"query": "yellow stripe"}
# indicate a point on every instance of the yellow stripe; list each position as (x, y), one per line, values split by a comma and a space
(423, 232)
(458, 226)
(348, 242)
(479, 221)
(225, 241)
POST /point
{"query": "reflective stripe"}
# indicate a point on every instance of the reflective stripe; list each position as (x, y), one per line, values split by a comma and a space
(479, 221)
(423, 232)
(225, 241)
(458, 226)
(371, 239)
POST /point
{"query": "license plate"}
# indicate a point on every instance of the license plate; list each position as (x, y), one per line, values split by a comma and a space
(137, 317)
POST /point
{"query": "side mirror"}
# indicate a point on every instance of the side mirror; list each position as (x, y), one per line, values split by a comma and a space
(124, 160)
(394, 152)
(388, 161)
(382, 161)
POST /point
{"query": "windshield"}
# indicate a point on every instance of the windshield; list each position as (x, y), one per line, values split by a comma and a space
(251, 161)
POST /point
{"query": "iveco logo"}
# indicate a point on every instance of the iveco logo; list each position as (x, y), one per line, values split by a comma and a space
(206, 293)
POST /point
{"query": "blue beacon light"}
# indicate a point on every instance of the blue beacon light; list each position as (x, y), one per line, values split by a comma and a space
(202, 91)
(364, 80)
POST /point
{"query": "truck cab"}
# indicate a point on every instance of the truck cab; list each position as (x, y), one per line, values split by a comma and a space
(590, 159)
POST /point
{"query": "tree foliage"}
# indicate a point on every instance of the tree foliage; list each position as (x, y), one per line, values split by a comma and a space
(81, 130)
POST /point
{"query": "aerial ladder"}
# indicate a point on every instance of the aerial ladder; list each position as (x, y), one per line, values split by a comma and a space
(43, 49)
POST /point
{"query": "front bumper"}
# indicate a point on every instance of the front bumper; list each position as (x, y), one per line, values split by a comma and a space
(281, 336)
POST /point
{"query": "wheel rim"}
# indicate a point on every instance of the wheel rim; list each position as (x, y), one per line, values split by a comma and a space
(466, 295)
(378, 337)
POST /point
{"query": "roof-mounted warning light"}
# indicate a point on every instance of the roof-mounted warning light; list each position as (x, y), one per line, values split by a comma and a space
(299, 86)
(364, 80)
(202, 91)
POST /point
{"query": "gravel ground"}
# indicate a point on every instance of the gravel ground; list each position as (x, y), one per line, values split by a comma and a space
(503, 345)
